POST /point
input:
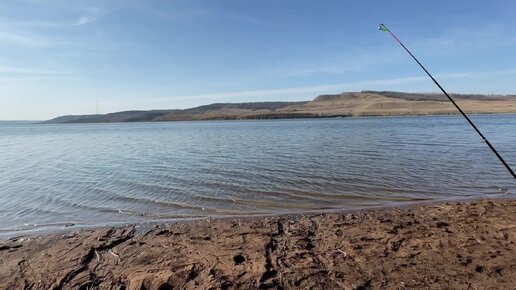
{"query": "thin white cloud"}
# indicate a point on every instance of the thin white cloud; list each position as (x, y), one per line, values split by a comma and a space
(457, 75)
(22, 39)
(84, 20)
(475, 37)
(499, 73)
(6, 79)
(183, 13)
(298, 91)
(14, 74)
(452, 42)
(19, 70)
(354, 61)
(240, 18)
(34, 24)
(93, 14)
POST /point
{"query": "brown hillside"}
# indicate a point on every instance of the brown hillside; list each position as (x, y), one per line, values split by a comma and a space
(366, 103)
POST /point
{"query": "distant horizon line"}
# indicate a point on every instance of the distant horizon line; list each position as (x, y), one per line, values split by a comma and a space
(361, 91)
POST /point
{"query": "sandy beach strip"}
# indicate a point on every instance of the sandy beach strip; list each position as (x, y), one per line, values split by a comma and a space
(467, 245)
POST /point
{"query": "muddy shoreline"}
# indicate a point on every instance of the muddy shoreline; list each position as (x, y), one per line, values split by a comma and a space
(459, 245)
(143, 225)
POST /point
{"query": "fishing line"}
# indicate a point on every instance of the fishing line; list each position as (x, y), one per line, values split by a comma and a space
(384, 28)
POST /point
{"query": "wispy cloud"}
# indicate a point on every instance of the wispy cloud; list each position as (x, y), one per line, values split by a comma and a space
(2, 79)
(498, 73)
(300, 91)
(22, 39)
(34, 24)
(92, 15)
(454, 41)
(84, 20)
(13, 73)
(20, 70)
(472, 38)
(352, 61)
(239, 18)
(41, 33)
(191, 13)
(86, 16)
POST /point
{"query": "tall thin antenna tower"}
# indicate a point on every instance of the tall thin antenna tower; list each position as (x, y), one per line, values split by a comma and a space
(97, 107)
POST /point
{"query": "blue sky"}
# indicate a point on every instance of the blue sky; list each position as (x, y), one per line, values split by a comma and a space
(62, 56)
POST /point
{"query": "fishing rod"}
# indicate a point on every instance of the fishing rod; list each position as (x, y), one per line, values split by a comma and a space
(384, 28)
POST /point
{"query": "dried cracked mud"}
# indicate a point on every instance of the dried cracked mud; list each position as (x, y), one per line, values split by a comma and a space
(455, 245)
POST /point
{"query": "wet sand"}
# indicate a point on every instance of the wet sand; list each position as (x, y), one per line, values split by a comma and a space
(467, 245)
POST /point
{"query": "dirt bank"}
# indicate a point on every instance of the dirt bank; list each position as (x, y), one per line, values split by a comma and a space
(452, 245)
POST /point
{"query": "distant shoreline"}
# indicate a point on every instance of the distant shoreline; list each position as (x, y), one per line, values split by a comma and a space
(366, 103)
(286, 118)
(317, 117)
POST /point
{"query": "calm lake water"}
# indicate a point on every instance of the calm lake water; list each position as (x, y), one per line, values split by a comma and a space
(52, 176)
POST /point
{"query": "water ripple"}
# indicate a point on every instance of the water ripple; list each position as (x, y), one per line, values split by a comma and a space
(95, 174)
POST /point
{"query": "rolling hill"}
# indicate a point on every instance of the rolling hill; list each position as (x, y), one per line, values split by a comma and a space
(365, 103)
